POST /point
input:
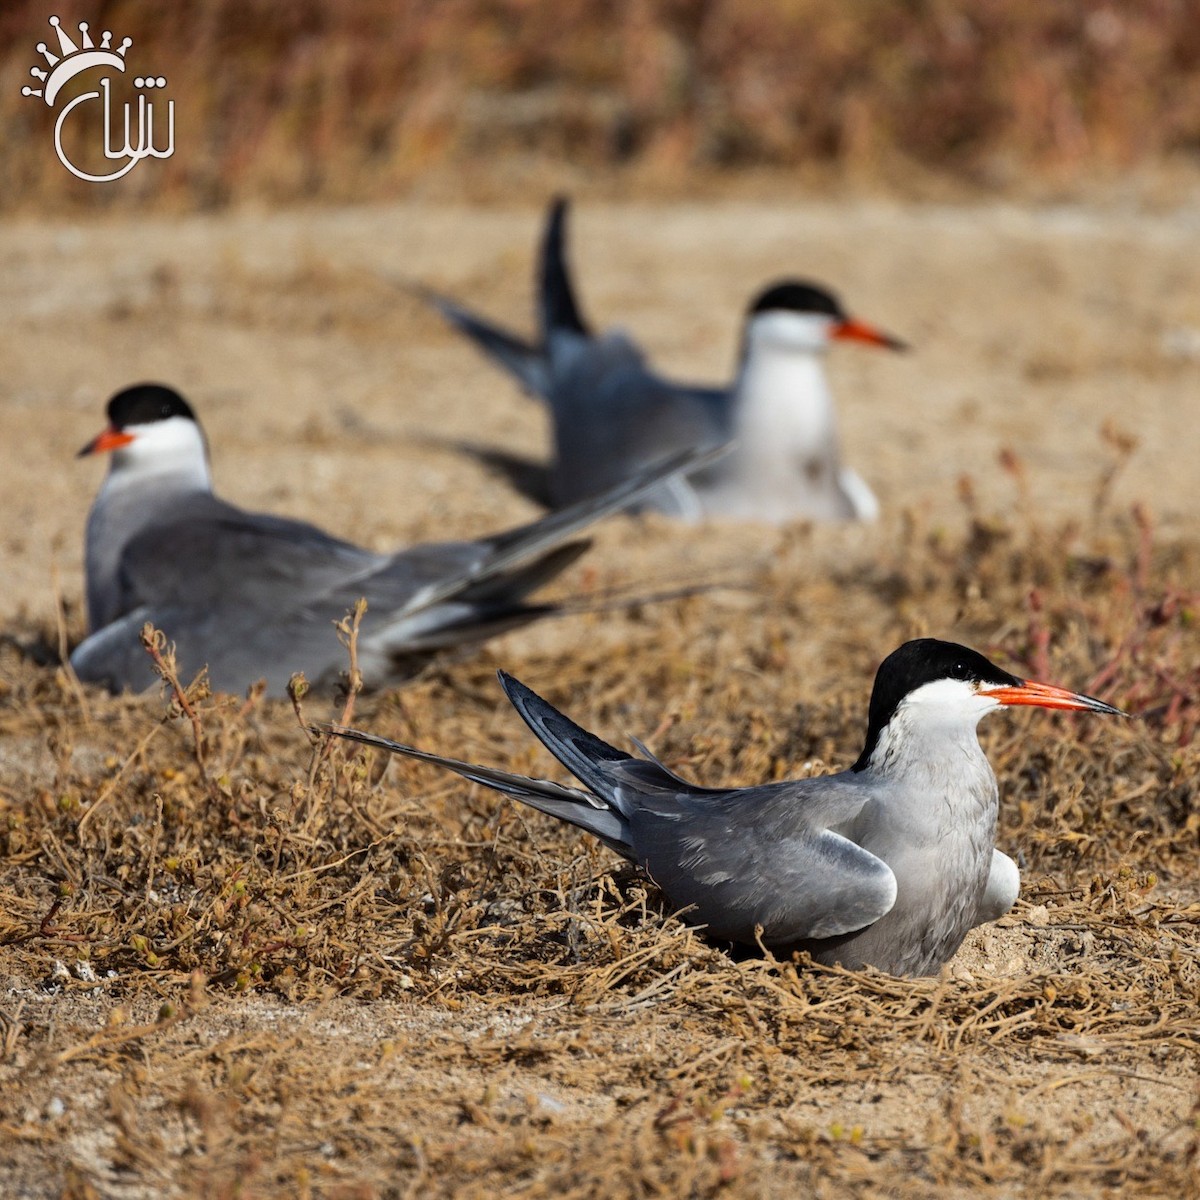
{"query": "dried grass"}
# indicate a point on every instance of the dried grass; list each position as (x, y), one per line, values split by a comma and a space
(311, 101)
(249, 965)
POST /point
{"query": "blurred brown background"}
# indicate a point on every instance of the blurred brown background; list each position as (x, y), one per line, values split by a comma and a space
(371, 100)
(186, 979)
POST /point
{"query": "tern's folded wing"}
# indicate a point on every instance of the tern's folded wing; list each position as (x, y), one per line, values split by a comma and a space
(216, 551)
(764, 859)
(612, 415)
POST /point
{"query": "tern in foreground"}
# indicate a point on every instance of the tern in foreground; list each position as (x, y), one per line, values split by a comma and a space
(253, 596)
(888, 864)
(612, 414)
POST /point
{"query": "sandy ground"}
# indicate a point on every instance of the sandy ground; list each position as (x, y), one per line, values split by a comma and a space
(1043, 337)
(326, 392)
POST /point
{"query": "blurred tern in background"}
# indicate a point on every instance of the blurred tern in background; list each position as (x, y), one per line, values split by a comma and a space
(254, 596)
(888, 864)
(612, 414)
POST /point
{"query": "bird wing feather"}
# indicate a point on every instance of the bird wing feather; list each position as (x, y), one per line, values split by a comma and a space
(764, 858)
(738, 859)
(217, 550)
(255, 596)
(612, 414)
(522, 359)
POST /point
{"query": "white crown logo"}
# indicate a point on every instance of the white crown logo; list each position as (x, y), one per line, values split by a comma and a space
(74, 59)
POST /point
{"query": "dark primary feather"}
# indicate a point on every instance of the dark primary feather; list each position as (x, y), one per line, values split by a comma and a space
(566, 803)
(601, 767)
(557, 306)
(522, 359)
(558, 311)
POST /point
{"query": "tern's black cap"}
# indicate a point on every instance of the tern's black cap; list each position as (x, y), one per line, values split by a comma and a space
(145, 403)
(916, 663)
(796, 295)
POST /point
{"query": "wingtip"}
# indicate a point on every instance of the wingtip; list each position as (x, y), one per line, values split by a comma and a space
(559, 309)
(511, 684)
(560, 206)
(691, 460)
(355, 735)
(520, 695)
(329, 729)
(434, 299)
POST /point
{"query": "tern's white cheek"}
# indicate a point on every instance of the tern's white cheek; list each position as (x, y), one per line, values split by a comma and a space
(947, 704)
(931, 740)
(782, 330)
(174, 446)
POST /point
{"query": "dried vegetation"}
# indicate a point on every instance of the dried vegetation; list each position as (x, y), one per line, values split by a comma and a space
(346, 102)
(241, 963)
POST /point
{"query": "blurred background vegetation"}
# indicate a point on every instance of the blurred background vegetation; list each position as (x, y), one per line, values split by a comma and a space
(306, 100)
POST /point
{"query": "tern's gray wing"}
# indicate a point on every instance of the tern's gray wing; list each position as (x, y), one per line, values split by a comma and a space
(113, 656)
(237, 644)
(526, 362)
(765, 857)
(240, 644)
(256, 597)
(243, 637)
(738, 859)
(219, 555)
(612, 415)
(212, 550)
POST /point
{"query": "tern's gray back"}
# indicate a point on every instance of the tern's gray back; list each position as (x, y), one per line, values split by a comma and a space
(256, 596)
(207, 550)
(612, 416)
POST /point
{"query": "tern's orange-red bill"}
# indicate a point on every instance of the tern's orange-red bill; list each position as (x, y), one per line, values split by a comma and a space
(109, 439)
(859, 331)
(1046, 695)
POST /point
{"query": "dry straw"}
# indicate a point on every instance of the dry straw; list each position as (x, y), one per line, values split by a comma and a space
(253, 964)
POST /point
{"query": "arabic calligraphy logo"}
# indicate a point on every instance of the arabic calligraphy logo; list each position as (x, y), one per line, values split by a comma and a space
(75, 59)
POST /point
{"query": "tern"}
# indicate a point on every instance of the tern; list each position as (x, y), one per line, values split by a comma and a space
(253, 596)
(612, 414)
(888, 864)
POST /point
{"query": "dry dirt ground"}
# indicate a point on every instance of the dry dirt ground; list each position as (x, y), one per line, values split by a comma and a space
(248, 967)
